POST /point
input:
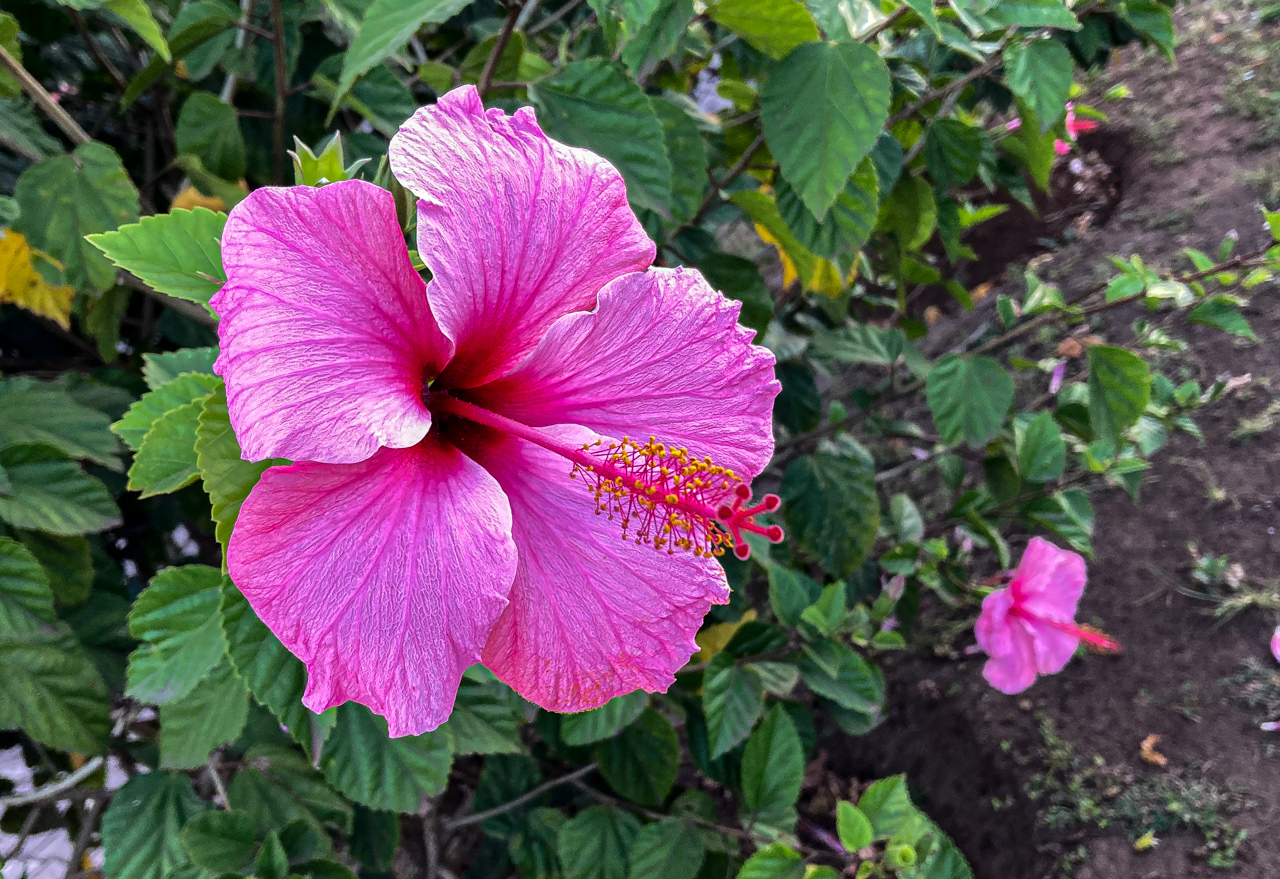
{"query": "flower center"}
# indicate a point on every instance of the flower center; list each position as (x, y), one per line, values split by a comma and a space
(661, 495)
(1093, 638)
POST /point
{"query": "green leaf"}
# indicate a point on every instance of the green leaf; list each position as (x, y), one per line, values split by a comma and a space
(1119, 390)
(209, 183)
(660, 35)
(688, 155)
(834, 671)
(160, 369)
(533, 846)
(39, 412)
(507, 68)
(141, 828)
(667, 849)
(733, 697)
(826, 614)
(847, 226)
(762, 209)
(504, 778)
(212, 714)
(969, 398)
(790, 592)
(1032, 147)
(210, 129)
(178, 253)
(176, 617)
(772, 771)
(228, 478)
(485, 719)
(596, 843)
(380, 772)
(136, 14)
(910, 213)
(26, 601)
(853, 827)
(592, 104)
(641, 762)
(1153, 21)
(222, 842)
(9, 87)
(1069, 514)
(23, 134)
(1041, 73)
(1219, 311)
(823, 108)
(166, 460)
(831, 509)
(49, 688)
(387, 27)
(275, 676)
(739, 279)
(1032, 13)
(184, 38)
(65, 198)
(67, 561)
(278, 787)
(775, 861)
(603, 722)
(888, 807)
(775, 27)
(952, 151)
(1042, 454)
(137, 422)
(49, 493)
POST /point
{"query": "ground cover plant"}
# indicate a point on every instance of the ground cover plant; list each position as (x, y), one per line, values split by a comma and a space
(208, 669)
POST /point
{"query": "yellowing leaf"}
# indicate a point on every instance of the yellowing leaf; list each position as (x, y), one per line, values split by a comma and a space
(713, 639)
(190, 198)
(22, 285)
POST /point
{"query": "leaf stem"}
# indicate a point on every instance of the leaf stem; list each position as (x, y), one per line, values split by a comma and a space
(504, 37)
(70, 127)
(572, 778)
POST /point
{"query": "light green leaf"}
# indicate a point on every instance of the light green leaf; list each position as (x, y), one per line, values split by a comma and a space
(9, 87)
(790, 592)
(140, 829)
(823, 108)
(853, 827)
(641, 762)
(733, 697)
(592, 104)
(603, 722)
(969, 398)
(1153, 21)
(596, 843)
(387, 27)
(775, 27)
(160, 369)
(847, 226)
(65, 198)
(221, 842)
(508, 67)
(772, 771)
(1042, 454)
(1218, 311)
(888, 807)
(380, 772)
(1032, 13)
(166, 460)
(910, 213)
(49, 493)
(210, 129)
(176, 617)
(212, 714)
(178, 253)
(227, 478)
(137, 422)
(660, 35)
(834, 671)
(1119, 390)
(1041, 73)
(667, 849)
(38, 412)
(136, 14)
(275, 676)
(775, 861)
(831, 510)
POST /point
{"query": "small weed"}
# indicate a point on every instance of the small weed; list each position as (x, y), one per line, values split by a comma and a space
(1190, 702)
(1075, 791)
(1266, 180)
(1256, 425)
(1227, 586)
(1257, 687)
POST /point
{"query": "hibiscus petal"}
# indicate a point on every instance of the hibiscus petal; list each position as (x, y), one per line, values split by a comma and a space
(384, 577)
(326, 331)
(592, 615)
(1054, 647)
(1013, 668)
(516, 228)
(661, 355)
(1049, 581)
(993, 624)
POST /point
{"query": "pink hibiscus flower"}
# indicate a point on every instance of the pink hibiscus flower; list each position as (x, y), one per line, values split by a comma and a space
(466, 486)
(1028, 628)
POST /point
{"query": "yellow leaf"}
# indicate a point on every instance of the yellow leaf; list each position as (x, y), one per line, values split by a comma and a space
(789, 274)
(190, 198)
(22, 285)
(713, 639)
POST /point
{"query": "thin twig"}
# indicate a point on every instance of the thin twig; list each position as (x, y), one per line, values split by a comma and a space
(554, 17)
(70, 127)
(96, 51)
(182, 306)
(888, 22)
(572, 778)
(229, 84)
(504, 37)
(709, 200)
(53, 790)
(212, 769)
(282, 88)
(27, 826)
(995, 60)
(88, 823)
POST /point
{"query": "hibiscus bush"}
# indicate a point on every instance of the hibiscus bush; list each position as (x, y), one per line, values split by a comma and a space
(450, 438)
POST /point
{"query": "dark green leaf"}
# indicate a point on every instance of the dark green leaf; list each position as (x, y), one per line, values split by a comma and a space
(641, 762)
(910, 213)
(1119, 390)
(1221, 312)
(799, 406)
(831, 509)
(834, 671)
(140, 829)
(733, 698)
(278, 787)
(212, 714)
(1041, 73)
(380, 772)
(135, 424)
(1042, 454)
(596, 843)
(823, 108)
(178, 253)
(51, 690)
(39, 412)
(790, 592)
(1154, 21)
(775, 861)
(952, 151)
(668, 849)
(223, 842)
(485, 718)
(1032, 13)
(603, 722)
(688, 155)
(739, 279)
(772, 771)
(26, 601)
(969, 398)
(661, 33)
(847, 226)
(210, 129)
(46, 492)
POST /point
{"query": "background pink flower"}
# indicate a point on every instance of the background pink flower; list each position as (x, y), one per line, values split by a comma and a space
(1028, 628)
(455, 441)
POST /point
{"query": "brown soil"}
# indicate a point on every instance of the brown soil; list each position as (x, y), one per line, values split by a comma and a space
(969, 751)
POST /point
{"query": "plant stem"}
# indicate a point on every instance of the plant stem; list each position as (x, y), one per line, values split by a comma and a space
(88, 823)
(282, 91)
(52, 790)
(70, 127)
(504, 37)
(709, 200)
(572, 778)
(96, 51)
(554, 17)
(883, 26)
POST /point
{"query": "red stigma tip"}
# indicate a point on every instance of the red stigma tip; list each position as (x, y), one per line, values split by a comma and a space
(772, 502)
(774, 534)
(742, 551)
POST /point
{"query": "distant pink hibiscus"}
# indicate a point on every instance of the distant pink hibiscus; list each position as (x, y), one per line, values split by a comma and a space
(1028, 628)
(486, 462)
(1075, 127)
